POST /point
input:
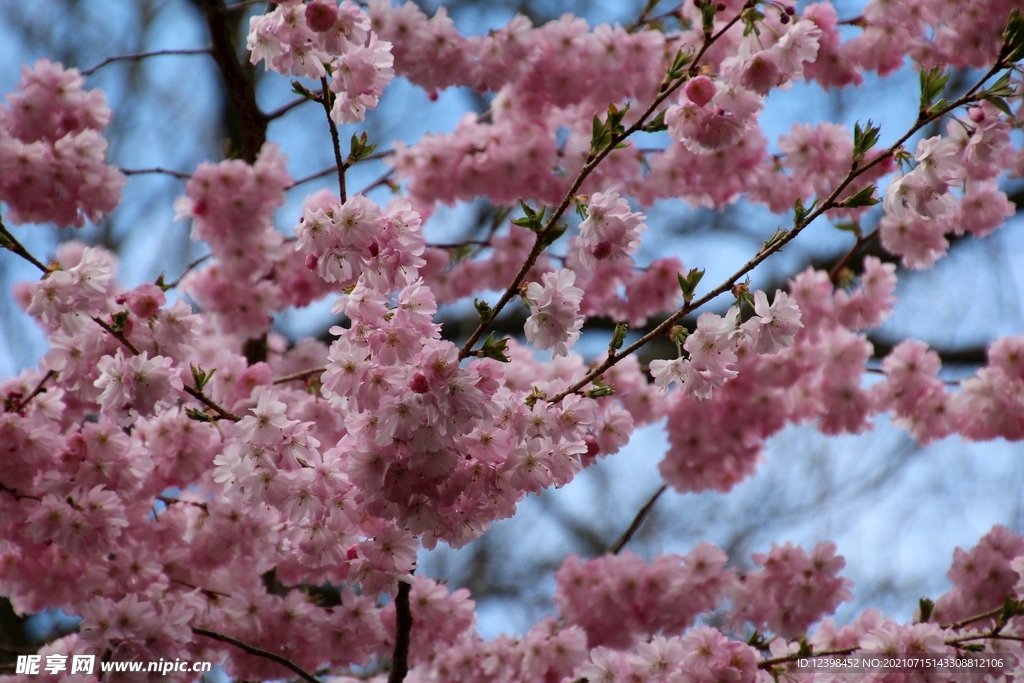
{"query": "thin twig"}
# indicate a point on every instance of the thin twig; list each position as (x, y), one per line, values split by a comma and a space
(665, 91)
(17, 496)
(222, 413)
(637, 521)
(325, 100)
(403, 633)
(861, 242)
(829, 203)
(258, 652)
(330, 169)
(11, 243)
(285, 108)
(155, 169)
(977, 617)
(382, 180)
(167, 500)
(189, 268)
(144, 55)
(119, 336)
(40, 388)
(242, 5)
(300, 375)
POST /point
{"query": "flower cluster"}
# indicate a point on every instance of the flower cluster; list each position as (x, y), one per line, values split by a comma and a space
(320, 38)
(52, 156)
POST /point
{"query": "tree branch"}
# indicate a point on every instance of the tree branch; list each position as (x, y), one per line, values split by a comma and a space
(221, 412)
(300, 375)
(250, 131)
(11, 243)
(144, 55)
(638, 520)
(668, 86)
(258, 652)
(325, 100)
(830, 202)
(157, 169)
(403, 633)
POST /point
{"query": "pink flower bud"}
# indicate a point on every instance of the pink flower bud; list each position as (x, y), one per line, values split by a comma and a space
(419, 383)
(700, 90)
(321, 16)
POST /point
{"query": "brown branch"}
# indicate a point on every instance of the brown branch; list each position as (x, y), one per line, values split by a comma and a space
(382, 180)
(222, 413)
(668, 86)
(403, 632)
(977, 617)
(17, 496)
(330, 169)
(861, 242)
(119, 336)
(638, 520)
(285, 108)
(339, 161)
(144, 55)
(11, 243)
(258, 652)
(830, 202)
(189, 268)
(300, 375)
(40, 388)
(250, 129)
(156, 169)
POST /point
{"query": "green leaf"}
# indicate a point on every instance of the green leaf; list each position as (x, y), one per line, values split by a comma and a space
(801, 211)
(359, 149)
(534, 220)
(865, 197)
(850, 227)
(493, 349)
(581, 207)
(618, 337)
(197, 415)
(708, 9)
(688, 284)
(1013, 38)
(678, 335)
(657, 123)
(484, 309)
(302, 90)
(1000, 104)
(933, 82)
(777, 237)
(679, 64)
(864, 138)
(926, 607)
(556, 231)
(601, 390)
(118, 321)
(200, 377)
(1011, 608)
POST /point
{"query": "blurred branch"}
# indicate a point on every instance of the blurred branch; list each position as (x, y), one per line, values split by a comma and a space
(641, 515)
(403, 633)
(156, 169)
(249, 131)
(11, 243)
(144, 55)
(325, 100)
(258, 652)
